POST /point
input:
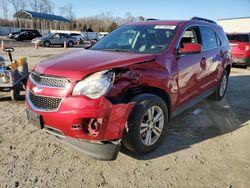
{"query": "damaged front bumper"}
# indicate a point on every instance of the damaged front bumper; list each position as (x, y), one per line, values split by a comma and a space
(99, 150)
(94, 127)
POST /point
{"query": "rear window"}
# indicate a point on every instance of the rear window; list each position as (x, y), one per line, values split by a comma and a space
(238, 37)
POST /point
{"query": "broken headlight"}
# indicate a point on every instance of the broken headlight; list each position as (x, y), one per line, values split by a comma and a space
(95, 85)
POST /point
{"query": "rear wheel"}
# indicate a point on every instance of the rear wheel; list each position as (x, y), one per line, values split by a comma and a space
(47, 43)
(147, 124)
(221, 89)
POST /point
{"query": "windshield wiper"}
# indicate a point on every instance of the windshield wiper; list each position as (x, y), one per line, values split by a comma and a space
(116, 50)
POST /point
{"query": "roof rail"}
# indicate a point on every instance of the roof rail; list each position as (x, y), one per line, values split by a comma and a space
(203, 20)
(151, 19)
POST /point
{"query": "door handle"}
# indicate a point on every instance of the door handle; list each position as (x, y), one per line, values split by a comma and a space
(203, 63)
(203, 60)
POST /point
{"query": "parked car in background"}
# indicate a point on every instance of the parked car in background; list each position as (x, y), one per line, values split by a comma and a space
(92, 36)
(55, 39)
(13, 34)
(27, 35)
(240, 45)
(80, 38)
(127, 86)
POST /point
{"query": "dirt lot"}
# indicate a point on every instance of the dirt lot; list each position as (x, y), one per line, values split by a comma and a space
(207, 146)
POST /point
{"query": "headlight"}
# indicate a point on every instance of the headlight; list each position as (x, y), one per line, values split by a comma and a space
(95, 85)
(35, 40)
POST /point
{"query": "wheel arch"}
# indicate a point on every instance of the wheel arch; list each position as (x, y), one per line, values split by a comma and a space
(132, 92)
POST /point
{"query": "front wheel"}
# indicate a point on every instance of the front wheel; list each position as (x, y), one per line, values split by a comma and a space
(47, 43)
(70, 44)
(221, 88)
(147, 124)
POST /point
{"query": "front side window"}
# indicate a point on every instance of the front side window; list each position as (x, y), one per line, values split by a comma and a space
(209, 38)
(191, 35)
(146, 39)
(57, 36)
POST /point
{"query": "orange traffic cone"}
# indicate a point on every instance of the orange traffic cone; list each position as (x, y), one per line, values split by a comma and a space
(65, 45)
(3, 45)
(36, 45)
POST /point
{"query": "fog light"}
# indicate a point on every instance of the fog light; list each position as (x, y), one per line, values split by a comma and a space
(94, 126)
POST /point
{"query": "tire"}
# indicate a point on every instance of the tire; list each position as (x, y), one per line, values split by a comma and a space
(47, 43)
(140, 136)
(15, 94)
(70, 44)
(221, 89)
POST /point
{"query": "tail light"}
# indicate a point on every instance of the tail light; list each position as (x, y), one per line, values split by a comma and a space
(247, 48)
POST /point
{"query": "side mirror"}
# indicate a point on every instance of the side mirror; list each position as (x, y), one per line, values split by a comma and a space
(190, 48)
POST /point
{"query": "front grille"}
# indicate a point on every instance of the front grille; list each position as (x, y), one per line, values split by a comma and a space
(49, 81)
(42, 103)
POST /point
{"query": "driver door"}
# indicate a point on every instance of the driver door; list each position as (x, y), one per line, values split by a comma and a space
(189, 66)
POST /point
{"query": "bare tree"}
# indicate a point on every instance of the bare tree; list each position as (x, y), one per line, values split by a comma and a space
(128, 17)
(46, 6)
(42, 6)
(67, 11)
(5, 8)
(18, 5)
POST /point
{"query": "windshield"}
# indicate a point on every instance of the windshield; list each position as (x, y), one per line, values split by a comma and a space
(146, 39)
(238, 37)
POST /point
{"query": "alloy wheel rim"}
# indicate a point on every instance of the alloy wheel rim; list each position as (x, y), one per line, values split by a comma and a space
(151, 125)
(223, 85)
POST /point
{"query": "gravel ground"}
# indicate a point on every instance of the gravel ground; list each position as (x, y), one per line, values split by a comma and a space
(207, 146)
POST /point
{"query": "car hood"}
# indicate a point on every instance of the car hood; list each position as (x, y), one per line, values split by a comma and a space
(77, 64)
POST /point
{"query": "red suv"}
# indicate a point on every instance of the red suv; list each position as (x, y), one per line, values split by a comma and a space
(240, 45)
(126, 87)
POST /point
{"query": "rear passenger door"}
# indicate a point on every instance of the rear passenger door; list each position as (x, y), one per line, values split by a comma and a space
(211, 58)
